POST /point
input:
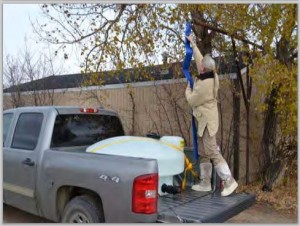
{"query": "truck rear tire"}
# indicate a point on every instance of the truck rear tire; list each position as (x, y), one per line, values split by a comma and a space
(83, 209)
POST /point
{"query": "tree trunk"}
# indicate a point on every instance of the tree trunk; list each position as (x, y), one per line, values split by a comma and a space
(249, 89)
(133, 111)
(269, 135)
(237, 84)
(269, 147)
(236, 128)
(204, 38)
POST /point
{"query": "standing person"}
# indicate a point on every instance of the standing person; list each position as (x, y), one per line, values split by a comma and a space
(203, 100)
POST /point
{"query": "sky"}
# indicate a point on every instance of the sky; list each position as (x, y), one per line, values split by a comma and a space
(16, 25)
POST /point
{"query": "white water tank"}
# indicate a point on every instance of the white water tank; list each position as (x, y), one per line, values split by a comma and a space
(168, 151)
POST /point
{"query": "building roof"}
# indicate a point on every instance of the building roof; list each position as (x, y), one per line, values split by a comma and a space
(155, 73)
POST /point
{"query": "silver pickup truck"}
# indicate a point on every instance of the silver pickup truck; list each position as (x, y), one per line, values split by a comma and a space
(47, 172)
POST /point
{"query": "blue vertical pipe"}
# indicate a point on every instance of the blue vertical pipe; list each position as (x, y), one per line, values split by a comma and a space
(185, 68)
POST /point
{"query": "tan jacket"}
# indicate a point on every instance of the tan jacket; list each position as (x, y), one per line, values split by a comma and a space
(203, 99)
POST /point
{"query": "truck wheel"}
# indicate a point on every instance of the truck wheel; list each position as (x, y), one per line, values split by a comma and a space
(83, 209)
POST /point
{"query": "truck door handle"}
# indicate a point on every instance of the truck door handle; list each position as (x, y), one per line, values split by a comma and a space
(28, 162)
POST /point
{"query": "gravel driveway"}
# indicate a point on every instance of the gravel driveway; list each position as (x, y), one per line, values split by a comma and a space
(258, 213)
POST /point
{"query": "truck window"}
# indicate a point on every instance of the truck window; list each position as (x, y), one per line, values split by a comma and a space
(7, 119)
(27, 131)
(84, 130)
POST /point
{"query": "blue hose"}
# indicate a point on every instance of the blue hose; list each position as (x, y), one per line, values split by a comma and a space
(185, 68)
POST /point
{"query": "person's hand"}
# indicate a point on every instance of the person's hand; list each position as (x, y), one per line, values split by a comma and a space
(190, 38)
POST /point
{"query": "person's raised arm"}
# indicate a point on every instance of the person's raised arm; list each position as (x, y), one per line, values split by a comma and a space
(196, 52)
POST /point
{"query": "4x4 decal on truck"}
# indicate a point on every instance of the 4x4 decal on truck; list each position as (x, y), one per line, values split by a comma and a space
(105, 178)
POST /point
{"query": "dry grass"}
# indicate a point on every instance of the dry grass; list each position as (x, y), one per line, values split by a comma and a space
(282, 197)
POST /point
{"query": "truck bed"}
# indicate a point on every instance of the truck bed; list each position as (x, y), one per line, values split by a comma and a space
(201, 207)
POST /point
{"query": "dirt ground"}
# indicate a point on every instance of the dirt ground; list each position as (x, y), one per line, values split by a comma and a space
(264, 213)
(258, 213)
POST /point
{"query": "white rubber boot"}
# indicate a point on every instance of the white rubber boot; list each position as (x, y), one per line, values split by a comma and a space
(229, 182)
(205, 178)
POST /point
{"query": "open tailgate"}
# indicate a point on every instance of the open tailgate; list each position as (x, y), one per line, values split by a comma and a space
(201, 207)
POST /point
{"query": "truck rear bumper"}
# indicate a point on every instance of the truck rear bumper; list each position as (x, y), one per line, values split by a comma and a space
(201, 207)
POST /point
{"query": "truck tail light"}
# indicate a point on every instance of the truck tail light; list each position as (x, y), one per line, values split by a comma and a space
(144, 194)
(89, 110)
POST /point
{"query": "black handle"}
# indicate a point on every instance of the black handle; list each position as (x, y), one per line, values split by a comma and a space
(28, 162)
